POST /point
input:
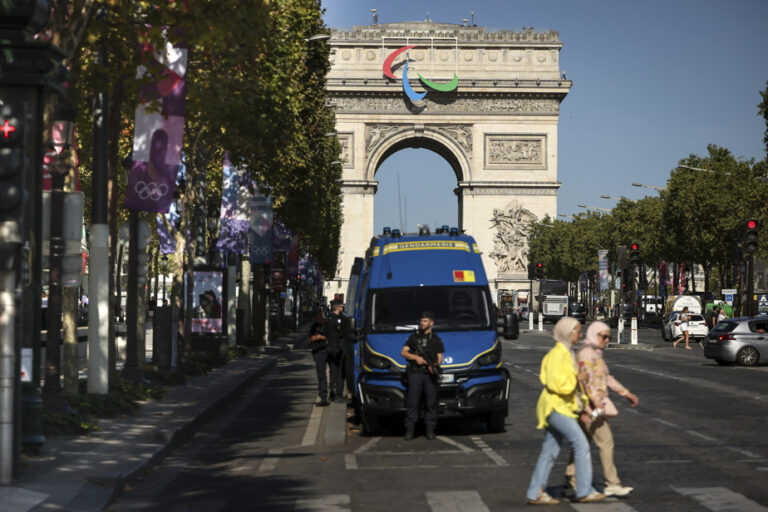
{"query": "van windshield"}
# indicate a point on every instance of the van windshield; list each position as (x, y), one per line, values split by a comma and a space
(455, 307)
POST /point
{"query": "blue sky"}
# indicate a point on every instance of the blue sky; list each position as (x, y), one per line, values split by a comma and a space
(653, 81)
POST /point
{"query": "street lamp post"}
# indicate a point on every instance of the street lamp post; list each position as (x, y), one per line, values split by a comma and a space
(652, 187)
(603, 196)
(64, 121)
(587, 207)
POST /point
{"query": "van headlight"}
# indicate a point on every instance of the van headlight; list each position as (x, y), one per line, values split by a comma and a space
(372, 360)
(491, 358)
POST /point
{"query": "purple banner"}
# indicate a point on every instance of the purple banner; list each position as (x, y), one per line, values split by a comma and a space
(235, 214)
(260, 233)
(166, 238)
(158, 135)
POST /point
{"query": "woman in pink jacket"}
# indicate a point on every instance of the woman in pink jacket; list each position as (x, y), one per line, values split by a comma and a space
(595, 421)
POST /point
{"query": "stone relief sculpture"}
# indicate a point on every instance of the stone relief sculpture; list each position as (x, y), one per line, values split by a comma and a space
(461, 133)
(376, 132)
(510, 242)
(345, 140)
(508, 151)
(395, 104)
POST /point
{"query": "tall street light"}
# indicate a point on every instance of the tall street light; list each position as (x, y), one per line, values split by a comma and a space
(565, 216)
(603, 196)
(586, 207)
(652, 187)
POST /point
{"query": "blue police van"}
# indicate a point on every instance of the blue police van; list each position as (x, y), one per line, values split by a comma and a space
(403, 275)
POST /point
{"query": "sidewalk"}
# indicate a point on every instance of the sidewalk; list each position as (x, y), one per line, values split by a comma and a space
(78, 473)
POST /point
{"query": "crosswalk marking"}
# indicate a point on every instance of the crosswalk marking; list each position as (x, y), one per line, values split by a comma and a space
(489, 452)
(720, 499)
(269, 464)
(456, 501)
(603, 506)
(328, 503)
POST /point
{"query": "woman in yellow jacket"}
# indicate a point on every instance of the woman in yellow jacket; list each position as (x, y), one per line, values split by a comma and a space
(557, 411)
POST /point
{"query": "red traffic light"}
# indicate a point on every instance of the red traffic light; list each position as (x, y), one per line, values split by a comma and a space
(7, 128)
(539, 265)
(751, 224)
(635, 247)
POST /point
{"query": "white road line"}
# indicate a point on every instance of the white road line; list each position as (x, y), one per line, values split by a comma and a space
(269, 464)
(463, 448)
(350, 461)
(456, 501)
(702, 436)
(720, 499)
(328, 503)
(743, 452)
(313, 427)
(670, 461)
(761, 469)
(489, 452)
(367, 446)
(664, 422)
(603, 506)
(649, 372)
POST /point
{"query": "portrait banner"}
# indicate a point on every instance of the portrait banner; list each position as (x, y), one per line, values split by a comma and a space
(158, 134)
(235, 214)
(207, 298)
(602, 265)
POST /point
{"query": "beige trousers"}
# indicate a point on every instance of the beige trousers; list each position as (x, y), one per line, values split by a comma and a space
(600, 432)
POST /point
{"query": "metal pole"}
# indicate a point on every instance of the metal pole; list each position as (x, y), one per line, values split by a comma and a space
(131, 370)
(52, 395)
(8, 418)
(750, 284)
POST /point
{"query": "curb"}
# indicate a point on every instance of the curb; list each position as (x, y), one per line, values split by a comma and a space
(184, 433)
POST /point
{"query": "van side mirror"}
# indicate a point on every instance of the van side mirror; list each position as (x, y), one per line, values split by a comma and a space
(351, 331)
(511, 329)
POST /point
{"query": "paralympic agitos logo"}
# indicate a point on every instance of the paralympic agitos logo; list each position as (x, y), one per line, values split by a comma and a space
(428, 84)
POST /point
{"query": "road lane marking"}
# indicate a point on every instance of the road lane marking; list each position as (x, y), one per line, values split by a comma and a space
(455, 501)
(720, 499)
(328, 503)
(702, 436)
(367, 446)
(670, 461)
(313, 427)
(664, 422)
(603, 506)
(743, 452)
(649, 372)
(350, 461)
(489, 452)
(269, 464)
(463, 448)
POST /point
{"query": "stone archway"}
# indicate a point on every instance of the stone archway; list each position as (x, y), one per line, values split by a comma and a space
(497, 130)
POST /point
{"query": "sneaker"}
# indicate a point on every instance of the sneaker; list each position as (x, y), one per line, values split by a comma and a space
(617, 490)
(409, 435)
(544, 499)
(322, 403)
(430, 434)
(592, 497)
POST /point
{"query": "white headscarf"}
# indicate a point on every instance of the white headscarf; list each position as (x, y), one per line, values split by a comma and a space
(563, 329)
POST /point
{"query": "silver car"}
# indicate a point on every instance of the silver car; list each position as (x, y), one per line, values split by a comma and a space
(738, 340)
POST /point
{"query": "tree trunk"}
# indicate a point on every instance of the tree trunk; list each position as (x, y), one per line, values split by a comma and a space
(69, 362)
(244, 297)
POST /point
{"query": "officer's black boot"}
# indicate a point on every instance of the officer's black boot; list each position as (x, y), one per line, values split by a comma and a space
(430, 434)
(409, 435)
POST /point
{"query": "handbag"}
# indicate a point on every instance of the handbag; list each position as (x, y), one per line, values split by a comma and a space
(593, 413)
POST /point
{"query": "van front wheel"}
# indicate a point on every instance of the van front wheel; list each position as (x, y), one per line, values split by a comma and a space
(371, 424)
(496, 422)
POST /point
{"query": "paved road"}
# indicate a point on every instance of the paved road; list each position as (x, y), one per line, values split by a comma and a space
(695, 443)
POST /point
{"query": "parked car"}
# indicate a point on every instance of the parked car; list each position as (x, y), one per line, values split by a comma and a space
(524, 313)
(577, 311)
(738, 340)
(697, 327)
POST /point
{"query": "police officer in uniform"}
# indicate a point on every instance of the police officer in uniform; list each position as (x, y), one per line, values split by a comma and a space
(424, 352)
(334, 331)
(318, 344)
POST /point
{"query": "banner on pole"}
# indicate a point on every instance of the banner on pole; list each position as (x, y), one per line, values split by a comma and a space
(602, 265)
(235, 214)
(260, 233)
(158, 135)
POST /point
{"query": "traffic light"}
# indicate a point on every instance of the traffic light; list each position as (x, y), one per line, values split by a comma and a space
(13, 162)
(539, 270)
(634, 254)
(750, 236)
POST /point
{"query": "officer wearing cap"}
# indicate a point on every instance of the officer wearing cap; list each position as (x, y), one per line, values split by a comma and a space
(424, 353)
(334, 332)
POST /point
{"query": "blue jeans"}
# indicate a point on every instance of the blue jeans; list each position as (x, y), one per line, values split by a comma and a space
(562, 428)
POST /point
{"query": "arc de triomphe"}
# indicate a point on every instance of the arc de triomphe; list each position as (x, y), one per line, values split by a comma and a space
(497, 128)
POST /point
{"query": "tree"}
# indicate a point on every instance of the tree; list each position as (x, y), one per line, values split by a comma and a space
(762, 109)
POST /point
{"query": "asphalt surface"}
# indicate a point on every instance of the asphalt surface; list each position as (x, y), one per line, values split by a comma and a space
(696, 442)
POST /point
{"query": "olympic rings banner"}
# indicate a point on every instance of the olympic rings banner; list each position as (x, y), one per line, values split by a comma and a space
(261, 229)
(158, 136)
